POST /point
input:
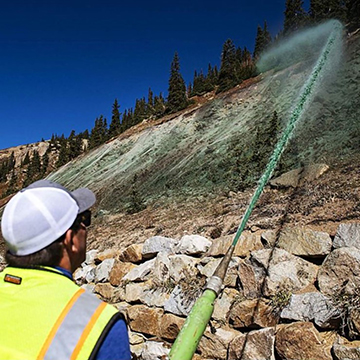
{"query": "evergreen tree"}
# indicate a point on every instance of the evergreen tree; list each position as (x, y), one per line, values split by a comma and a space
(64, 155)
(139, 111)
(199, 83)
(150, 104)
(34, 169)
(295, 16)
(330, 9)
(159, 105)
(45, 163)
(228, 76)
(262, 41)
(177, 99)
(26, 160)
(115, 125)
(353, 17)
(98, 133)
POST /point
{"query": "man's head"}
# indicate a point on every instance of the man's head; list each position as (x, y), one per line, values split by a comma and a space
(45, 213)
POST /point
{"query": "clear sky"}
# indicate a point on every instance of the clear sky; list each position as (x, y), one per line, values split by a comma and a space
(63, 62)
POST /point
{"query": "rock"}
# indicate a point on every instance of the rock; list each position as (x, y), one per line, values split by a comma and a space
(157, 244)
(107, 254)
(193, 245)
(104, 290)
(250, 279)
(211, 264)
(90, 257)
(132, 253)
(298, 176)
(102, 271)
(170, 326)
(247, 243)
(256, 345)
(301, 341)
(135, 290)
(285, 271)
(300, 241)
(346, 350)
(312, 306)
(223, 304)
(347, 235)
(214, 346)
(340, 271)
(118, 271)
(179, 303)
(182, 267)
(252, 314)
(88, 287)
(153, 350)
(144, 319)
(90, 274)
(141, 272)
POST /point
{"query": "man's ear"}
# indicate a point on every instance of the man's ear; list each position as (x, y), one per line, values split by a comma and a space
(68, 241)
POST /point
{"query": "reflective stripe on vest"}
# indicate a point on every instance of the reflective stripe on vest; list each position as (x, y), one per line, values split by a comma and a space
(72, 327)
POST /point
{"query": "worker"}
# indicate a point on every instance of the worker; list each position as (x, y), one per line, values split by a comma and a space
(43, 313)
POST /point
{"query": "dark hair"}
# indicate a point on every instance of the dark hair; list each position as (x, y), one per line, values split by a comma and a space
(48, 256)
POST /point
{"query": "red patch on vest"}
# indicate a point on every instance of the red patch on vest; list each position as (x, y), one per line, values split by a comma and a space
(13, 279)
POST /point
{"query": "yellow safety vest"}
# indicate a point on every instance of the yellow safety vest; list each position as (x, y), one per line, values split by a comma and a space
(44, 315)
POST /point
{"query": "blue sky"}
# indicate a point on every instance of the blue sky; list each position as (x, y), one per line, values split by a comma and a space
(62, 63)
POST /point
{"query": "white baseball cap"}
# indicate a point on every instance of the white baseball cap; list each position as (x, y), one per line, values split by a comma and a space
(40, 214)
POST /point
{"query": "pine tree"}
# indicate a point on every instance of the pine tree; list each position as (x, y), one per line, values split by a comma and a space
(26, 160)
(353, 11)
(115, 125)
(295, 16)
(330, 9)
(159, 105)
(228, 76)
(98, 133)
(177, 99)
(45, 162)
(150, 104)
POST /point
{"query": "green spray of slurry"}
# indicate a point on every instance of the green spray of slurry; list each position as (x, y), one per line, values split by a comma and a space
(188, 339)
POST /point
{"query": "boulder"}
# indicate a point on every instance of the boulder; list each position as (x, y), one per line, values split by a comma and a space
(251, 279)
(157, 244)
(298, 176)
(256, 345)
(347, 235)
(247, 243)
(223, 304)
(141, 272)
(252, 314)
(285, 271)
(182, 267)
(193, 245)
(312, 306)
(301, 341)
(118, 271)
(179, 303)
(107, 254)
(346, 350)
(170, 326)
(215, 345)
(102, 272)
(90, 257)
(153, 350)
(300, 241)
(132, 253)
(208, 266)
(106, 291)
(340, 271)
(144, 319)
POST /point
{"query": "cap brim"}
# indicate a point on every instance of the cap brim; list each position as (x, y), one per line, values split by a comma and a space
(84, 197)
